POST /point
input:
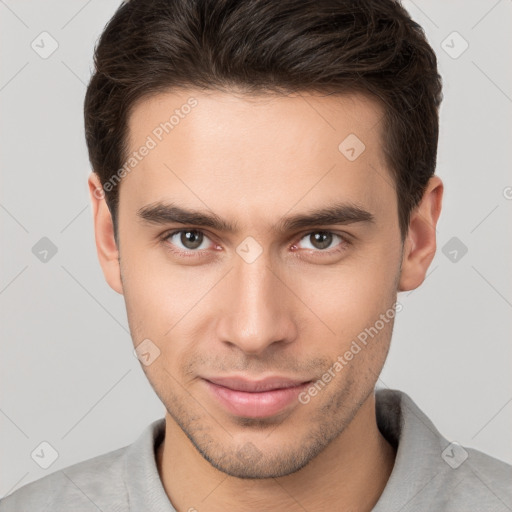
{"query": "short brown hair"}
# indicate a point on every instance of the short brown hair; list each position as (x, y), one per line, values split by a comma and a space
(280, 46)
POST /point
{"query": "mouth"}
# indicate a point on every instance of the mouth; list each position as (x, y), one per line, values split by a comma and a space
(255, 398)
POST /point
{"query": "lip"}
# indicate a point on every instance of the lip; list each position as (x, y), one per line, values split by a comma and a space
(255, 398)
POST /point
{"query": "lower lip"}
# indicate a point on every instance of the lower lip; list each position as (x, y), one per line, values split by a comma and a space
(255, 405)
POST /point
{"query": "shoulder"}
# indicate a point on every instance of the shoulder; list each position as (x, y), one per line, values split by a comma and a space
(433, 473)
(92, 485)
(477, 479)
(466, 479)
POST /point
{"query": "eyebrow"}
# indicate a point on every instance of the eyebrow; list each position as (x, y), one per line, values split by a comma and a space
(341, 213)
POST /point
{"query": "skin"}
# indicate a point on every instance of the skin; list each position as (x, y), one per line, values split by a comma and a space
(291, 312)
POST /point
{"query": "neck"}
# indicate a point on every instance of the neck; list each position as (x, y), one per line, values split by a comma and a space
(350, 473)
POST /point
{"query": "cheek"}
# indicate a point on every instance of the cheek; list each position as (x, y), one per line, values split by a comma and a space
(158, 291)
(153, 306)
(351, 296)
(167, 305)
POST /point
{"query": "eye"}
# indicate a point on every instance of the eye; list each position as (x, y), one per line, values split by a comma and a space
(193, 242)
(188, 240)
(322, 240)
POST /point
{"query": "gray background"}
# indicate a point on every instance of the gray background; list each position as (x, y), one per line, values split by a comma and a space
(68, 374)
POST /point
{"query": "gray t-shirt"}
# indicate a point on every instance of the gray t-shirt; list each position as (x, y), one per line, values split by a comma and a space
(430, 473)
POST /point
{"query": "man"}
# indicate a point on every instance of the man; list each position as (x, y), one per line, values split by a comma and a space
(263, 187)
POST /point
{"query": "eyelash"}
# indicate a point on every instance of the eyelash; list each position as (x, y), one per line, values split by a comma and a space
(190, 253)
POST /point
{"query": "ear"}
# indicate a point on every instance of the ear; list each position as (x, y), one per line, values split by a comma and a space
(108, 253)
(420, 243)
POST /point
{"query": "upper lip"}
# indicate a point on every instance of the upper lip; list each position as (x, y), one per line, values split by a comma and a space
(266, 384)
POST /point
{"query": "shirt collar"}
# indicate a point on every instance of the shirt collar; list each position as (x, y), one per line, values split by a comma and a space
(418, 447)
(144, 488)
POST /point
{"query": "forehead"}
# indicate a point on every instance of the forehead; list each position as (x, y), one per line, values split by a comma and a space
(228, 118)
(270, 151)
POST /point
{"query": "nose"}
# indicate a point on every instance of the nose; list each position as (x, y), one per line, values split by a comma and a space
(256, 308)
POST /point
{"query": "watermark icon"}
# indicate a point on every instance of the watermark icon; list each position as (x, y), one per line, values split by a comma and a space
(157, 135)
(44, 454)
(44, 250)
(454, 45)
(507, 193)
(348, 355)
(454, 249)
(44, 45)
(146, 352)
(351, 147)
(454, 455)
(249, 250)
(249, 453)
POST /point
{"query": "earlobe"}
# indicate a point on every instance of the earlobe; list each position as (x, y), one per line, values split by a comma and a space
(420, 243)
(108, 253)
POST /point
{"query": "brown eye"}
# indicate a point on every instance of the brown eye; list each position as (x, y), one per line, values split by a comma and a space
(188, 240)
(191, 239)
(321, 239)
(323, 242)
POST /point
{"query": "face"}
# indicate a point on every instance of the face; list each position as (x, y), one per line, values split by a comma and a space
(293, 254)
